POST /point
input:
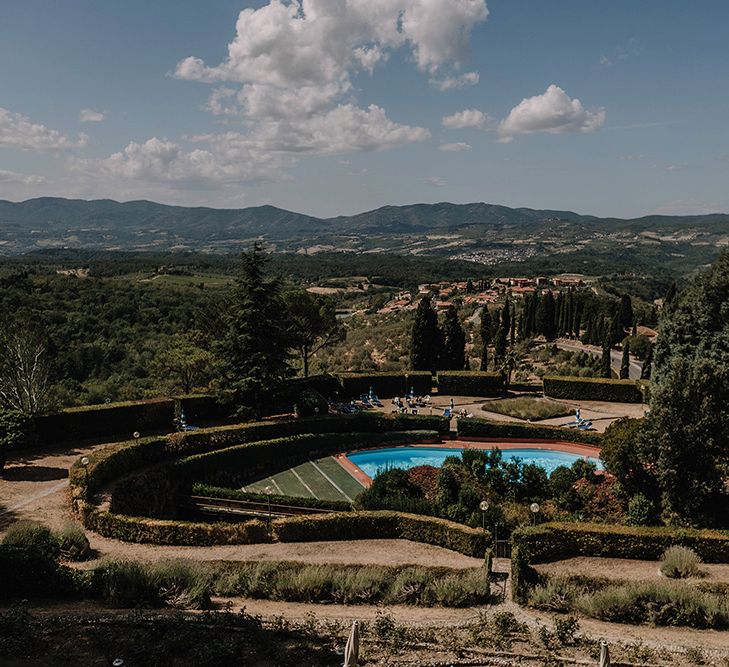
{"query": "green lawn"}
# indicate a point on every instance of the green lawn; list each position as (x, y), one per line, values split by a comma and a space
(526, 407)
(324, 479)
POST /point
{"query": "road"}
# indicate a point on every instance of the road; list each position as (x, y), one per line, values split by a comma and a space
(616, 357)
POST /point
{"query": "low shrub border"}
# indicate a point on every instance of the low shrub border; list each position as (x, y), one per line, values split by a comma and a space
(593, 389)
(386, 385)
(470, 383)
(487, 428)
(210, 491)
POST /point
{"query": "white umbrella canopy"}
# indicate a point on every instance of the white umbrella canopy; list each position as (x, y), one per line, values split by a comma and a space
(604, 654)
(351, 650)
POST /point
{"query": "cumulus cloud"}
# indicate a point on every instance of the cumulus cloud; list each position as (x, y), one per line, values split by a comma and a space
(18, 131)
(466, 118)
(290, 67)
(91, 116)
(456, 147)
(13, 178)
(455, 82)
(553, 112)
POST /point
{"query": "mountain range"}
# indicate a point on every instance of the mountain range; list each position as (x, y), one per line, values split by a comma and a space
(486, 233)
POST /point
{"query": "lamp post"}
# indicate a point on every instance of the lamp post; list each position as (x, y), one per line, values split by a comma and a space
(534, 509)
(268, 491)
(484, 507)
(85, 464)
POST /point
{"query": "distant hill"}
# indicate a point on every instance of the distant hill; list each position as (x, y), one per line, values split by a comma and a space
(478, 232)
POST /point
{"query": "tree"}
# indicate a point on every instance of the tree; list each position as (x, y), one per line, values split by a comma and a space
(485, 332)
(645, 373)
(625, 362)
(508, 365)
(312, 324)
(545, 323)
(605, 364)
(624, 456)
(625, 312)
(24, 371)
(253, 352)
(454, 342)
(500, 346)
(426, 342)
(687, 438)
(184, 364)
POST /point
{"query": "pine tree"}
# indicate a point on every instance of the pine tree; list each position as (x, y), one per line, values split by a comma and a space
(253, 348)
(424, 345)
(625, 362)
(485, 332)
(454, 342)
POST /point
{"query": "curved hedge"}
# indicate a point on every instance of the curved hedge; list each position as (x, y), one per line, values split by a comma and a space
(209, 491)
(488, 428)
(593, 389)
(470, 383)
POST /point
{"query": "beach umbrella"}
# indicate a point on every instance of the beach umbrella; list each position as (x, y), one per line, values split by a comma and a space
(351, 650)
(604, 654)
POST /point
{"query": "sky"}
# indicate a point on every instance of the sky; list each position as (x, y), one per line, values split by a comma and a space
(329, 107)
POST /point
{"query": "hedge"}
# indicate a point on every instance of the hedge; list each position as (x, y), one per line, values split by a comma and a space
(386, 385)
(112, 419)
(202, 408)
(487, 428)
(183, 533)
(384, 525)
(593, 389)
(30, 575)
(234, 494)
(557, 541)
(470, 383)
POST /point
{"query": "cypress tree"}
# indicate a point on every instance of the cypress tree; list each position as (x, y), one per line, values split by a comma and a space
(570, 328)
(545, 316)
(485, 332)
(506, 316)
(605, 366)
(645, 373)
(454, 342)
(500, 346)
(424, 344)
(625, 312)
(625, 362)
(559, 314)
(512, 331)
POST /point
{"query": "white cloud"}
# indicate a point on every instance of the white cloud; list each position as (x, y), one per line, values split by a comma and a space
(466, 118)
(91, 116)
(677, 167)
(13, 178)
(455, 82)
(454, 148)
(288, 73)
(435, 181)
(552, 112)
(18, 131)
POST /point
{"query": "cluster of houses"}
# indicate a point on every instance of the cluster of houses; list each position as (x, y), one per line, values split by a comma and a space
(480, 293)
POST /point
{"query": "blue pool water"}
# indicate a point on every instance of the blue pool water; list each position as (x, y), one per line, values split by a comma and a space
(373, 460)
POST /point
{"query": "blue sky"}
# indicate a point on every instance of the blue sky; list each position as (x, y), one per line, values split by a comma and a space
(610, 107)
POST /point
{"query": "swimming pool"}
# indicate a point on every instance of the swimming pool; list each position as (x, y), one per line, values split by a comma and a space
(371, 461)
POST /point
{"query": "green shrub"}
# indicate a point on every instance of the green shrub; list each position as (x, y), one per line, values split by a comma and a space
(386, 385)
(593, 389)
(34, 538)
(556, 594)
(14, 432)
(487, 428)
(680, 562)
(460, 590)
(310, 403)
(29, 574)
(641, 511)
(73, 543)
(470, 383)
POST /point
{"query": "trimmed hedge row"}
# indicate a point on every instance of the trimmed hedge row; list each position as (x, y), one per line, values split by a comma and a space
(593, 389)
(383, 525)
(183, 533)
(313, 528)
(487, 428)
(386, 385)
(112, 419)
(235, 494)
(557, 541)
(470, 383)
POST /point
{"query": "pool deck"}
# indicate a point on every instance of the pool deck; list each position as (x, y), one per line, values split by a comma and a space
(478, 443)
